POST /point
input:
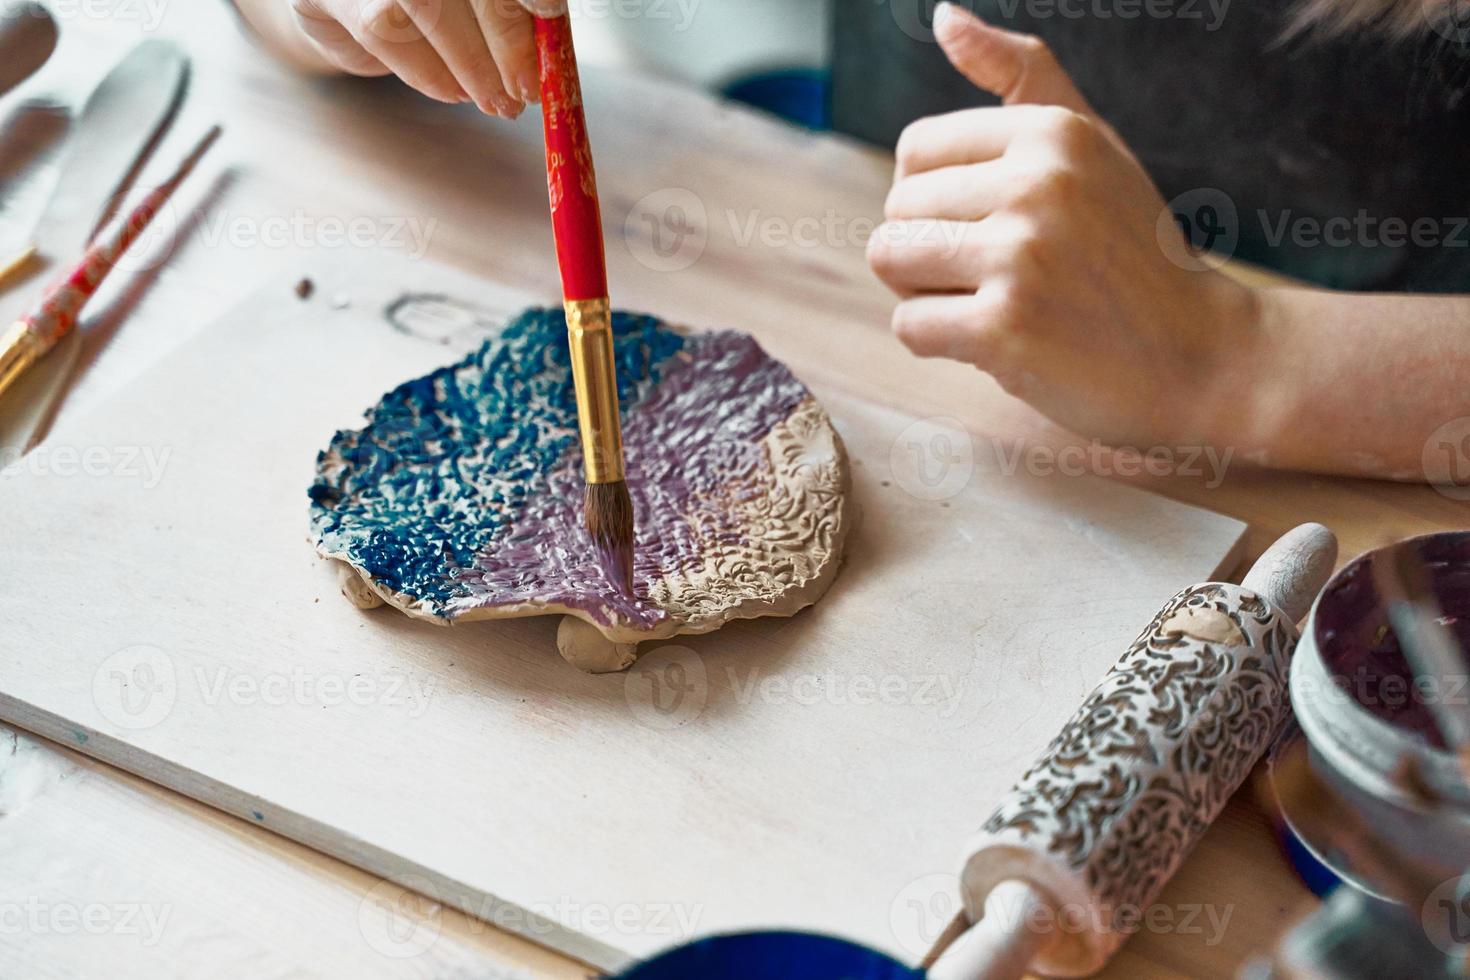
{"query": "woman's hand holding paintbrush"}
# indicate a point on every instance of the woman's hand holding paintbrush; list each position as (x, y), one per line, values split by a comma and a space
(577, 226)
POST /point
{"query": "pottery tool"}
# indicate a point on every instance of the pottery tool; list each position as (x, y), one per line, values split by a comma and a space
(33, 335)
(115, 134)
(577, 227)
(1087, 838)
(1428, 646)
(122, 119)
(27, 38)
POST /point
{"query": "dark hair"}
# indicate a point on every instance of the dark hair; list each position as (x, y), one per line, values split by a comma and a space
(1397, 18)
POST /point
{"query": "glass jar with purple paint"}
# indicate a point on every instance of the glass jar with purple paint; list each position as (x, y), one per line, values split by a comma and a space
(1365, 713)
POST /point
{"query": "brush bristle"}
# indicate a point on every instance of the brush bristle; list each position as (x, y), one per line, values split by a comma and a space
(608, 512)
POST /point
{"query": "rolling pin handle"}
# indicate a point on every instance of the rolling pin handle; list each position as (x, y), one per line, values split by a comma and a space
(1294, 569)
(1002, 944)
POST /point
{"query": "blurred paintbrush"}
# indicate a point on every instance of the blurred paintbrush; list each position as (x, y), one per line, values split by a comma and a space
(33, 335)
(122, 122)
(577, 226)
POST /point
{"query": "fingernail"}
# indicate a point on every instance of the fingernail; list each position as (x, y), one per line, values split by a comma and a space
(942, 13)
(506, 106)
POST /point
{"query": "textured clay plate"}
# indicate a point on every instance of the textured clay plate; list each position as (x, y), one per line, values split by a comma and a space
(460, 499)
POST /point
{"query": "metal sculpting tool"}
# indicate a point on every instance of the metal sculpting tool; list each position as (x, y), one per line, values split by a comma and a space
(109, 140)
(118, 129)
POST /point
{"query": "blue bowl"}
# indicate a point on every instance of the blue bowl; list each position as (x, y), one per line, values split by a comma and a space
(772, 956)
(800, 95)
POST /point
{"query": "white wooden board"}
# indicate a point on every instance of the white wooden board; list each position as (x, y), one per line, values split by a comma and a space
(108, 876)
(163, 611)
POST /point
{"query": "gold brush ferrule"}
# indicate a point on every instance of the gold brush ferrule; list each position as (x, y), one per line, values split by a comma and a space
(589, 331)
(19, 349)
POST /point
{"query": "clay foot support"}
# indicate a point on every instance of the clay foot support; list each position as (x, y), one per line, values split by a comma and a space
(585, 648)
(354, 589)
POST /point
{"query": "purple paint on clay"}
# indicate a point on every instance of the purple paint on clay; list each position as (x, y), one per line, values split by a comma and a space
(463, 491)
(1363, 655)
(617, 565)
(694, 455)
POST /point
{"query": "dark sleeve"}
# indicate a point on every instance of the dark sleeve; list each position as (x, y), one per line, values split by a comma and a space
(1359, 129)
(887, 70)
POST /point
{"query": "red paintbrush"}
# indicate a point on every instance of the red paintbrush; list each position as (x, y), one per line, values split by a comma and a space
(577, 226)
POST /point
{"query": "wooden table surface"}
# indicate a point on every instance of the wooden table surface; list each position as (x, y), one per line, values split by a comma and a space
(730, 217)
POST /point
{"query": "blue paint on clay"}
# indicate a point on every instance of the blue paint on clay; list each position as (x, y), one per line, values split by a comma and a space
(446, 460)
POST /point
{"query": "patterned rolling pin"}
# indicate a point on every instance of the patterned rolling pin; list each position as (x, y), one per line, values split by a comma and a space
(1083, 843)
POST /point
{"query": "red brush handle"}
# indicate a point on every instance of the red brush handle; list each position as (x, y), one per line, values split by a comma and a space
(576, 221)
(62, 302)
